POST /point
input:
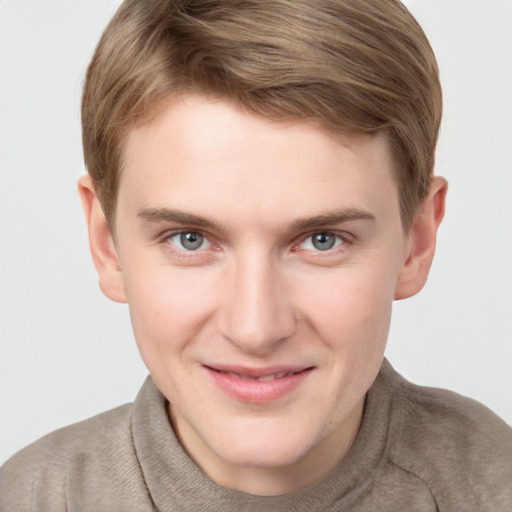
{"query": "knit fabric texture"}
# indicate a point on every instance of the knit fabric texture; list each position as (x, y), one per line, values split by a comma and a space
(418, 449)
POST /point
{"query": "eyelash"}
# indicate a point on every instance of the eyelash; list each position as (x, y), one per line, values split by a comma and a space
(184, 253)
(344, 239)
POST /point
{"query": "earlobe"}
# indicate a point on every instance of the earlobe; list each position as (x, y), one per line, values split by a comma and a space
(422, 241)
(101, 243)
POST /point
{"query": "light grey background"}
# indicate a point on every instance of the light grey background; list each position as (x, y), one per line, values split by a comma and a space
(67, 353)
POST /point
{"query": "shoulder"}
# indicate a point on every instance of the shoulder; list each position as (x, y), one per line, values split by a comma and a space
(456, 445)
(55, 466)
(60, 448)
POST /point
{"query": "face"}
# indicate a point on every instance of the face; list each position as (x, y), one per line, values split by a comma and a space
(259, 261)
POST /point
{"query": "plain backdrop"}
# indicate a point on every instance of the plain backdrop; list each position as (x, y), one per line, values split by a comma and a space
(67, 353)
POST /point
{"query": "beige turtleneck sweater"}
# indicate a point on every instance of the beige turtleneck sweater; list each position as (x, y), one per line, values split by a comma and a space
(418, 449)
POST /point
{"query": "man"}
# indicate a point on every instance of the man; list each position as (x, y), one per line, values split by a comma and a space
(260, 190)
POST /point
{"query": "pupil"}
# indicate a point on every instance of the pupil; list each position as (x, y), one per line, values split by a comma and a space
(323, 241)
(191, 241)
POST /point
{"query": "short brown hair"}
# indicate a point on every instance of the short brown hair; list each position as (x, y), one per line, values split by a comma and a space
(347, 65)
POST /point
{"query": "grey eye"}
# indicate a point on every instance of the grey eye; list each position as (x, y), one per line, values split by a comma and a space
(191, 241)
(323, 241)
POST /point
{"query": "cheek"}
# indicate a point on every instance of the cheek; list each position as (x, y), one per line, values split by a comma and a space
(353, 312)
(357, 294)
(167, 311)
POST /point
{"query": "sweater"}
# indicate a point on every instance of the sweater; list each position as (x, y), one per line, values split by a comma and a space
(418, 449)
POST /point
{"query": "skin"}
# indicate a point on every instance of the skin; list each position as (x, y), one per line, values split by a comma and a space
(256, 292)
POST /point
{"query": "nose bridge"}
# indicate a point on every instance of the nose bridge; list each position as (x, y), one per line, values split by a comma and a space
(257, 310)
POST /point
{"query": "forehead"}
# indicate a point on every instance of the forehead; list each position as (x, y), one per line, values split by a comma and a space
(211, 156)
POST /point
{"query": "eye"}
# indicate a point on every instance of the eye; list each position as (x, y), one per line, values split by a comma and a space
(322, 241)
(189, 241)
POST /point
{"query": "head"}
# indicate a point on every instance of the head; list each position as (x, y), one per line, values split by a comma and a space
(351, 66)
(260, 192)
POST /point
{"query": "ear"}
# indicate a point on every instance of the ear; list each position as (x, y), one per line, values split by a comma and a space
(101, 242)
(422, 241)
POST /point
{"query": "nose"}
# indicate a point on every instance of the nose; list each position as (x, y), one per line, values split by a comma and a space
(257, 313)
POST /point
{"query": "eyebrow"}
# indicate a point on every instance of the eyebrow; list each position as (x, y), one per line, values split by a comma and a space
(318, 221)
(181, 217)
(334, 217)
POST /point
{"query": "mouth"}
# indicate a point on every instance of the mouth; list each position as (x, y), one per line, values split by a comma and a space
(263, 378)
(258, 385)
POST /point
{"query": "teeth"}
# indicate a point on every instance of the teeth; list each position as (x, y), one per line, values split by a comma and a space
(280, 375)
(267, 378)
(239, 376)
(264, 378)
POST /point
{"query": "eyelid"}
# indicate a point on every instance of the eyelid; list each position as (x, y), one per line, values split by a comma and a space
(168, 233)
(345, 238)
(165, 237)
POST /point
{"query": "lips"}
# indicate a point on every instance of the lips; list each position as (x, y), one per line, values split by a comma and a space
(258, 385)
(264, 378)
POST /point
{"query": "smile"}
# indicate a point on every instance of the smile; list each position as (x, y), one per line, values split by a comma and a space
(258, 386)
(263, 378)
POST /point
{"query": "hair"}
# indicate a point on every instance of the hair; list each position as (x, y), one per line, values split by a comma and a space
(350, 66)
